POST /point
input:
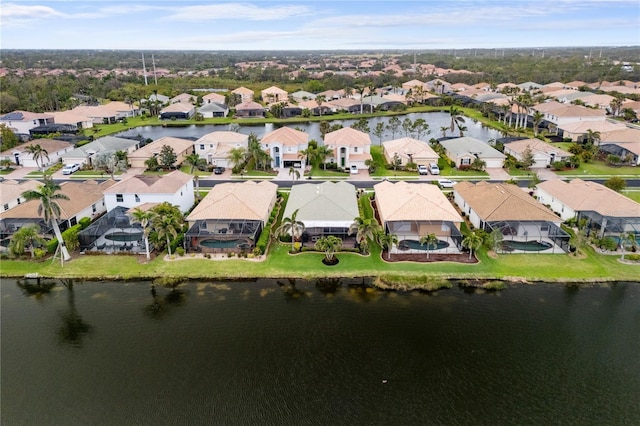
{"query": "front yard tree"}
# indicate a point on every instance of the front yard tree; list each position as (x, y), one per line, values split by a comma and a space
(47, 194)
(110, 163)
(168, 157)
(616, 183)
(38, 154)
(25, 237)
(527, 158)
(195, 164)
(237, 156)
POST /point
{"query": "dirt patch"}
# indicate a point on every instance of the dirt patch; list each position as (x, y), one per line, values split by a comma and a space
(433, 257)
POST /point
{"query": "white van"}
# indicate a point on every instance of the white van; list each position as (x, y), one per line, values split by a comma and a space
(353, 169)
(434, 169)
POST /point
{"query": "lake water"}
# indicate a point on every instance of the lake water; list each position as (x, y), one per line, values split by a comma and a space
(436, 120)
(324, 353)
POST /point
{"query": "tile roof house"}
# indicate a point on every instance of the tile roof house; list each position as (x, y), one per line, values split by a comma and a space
(274, 94)
(85, 154)
(409, 150)
(413, 210)
(249, 110)
(246, 95)
(215, 147)
(607, 212)
(215, 98)
(576, 131)
(11, 192)
(108, 113)
(21, 122)
(73, 119)
(284, 146)
(302, 95)
(350, 147)
(181, 147)
(175, 188)
(463, 151)
(559, 116)
(350, 105)
(184, 98)
(517, 215)
(543, 153)
(624, 143)
(55, 149)
(231, 216)
(326, 208)
(213, 109)
(178, 110)
(85, 200)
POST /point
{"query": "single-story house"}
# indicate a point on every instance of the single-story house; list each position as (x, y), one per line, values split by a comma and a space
(350, 147)
(291, 110)
(249, 110)
(350, 105)
(381, 103)
(543, 153)
(284, 146)
(324, 108)
(175, 188)
(607, 212)
(409, 150)
(21, 122)
(231, 216)
(54, 148)
(213, 109)
(73, 119)
(184, 98)
(86, 153)
(85, 199)
(178, 110)
(463, 151)
(302, 95)
(525, 224)
(108, 113)
(11, 192)
(326, 208)
(578, 130)
(629, 152)
(414, 210)
(274, 94)
(182, 148)
(215, 147)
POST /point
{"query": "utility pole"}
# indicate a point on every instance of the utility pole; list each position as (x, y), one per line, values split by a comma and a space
(155, 76)
(144, 71)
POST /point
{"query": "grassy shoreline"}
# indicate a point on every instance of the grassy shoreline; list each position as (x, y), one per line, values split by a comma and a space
(512, 268)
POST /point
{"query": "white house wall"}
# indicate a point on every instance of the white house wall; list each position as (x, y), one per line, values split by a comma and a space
(557, 206)
(184, 199)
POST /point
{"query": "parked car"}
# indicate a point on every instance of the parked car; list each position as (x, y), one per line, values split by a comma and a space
(434, 169)
(70, 168)
(354, 169)
(422, 169)
(219, 170)
(446, 183)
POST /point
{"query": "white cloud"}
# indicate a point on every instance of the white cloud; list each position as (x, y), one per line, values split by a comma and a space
(237, 11)
(15, 14)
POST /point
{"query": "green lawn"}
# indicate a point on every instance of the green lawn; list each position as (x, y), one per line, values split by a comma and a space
(634, 195)
(599, 168)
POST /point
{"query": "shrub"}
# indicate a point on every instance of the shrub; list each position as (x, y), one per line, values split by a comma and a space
(52, 245)
(180, 251)
(39, 253)
(633, 257)
(84, 222)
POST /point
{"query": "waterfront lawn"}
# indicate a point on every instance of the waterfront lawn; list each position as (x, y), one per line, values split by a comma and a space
(280, 264)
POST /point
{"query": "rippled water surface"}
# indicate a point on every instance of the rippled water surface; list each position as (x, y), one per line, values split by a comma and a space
(270, 352)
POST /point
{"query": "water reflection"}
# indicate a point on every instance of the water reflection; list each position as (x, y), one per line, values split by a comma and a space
(328, 285)
(289, 289)
(73, 329)
(161, 306)
(35, 289)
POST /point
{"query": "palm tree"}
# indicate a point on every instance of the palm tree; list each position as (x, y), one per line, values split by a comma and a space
(47, 194)
(144, 218)
(429, 240)
(167, 227)
(25, 237)
(593, 137)
(456, 118)
(495, 239)
(537, 119)
(444, 129)
(295, 174)
(322, 153)
(291, 226)
(627, 240)
(472, 241)
(578, 240)
(38, 154)
(195, 163)
(237, 156)
(329, 245)
(386, 241)
(320, 100)
(365, 230)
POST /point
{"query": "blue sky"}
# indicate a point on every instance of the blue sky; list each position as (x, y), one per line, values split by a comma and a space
(314, 25)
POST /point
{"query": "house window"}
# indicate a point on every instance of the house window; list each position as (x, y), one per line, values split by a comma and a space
(6, 207)
(93, 208)
(202, 146)
(119, 198)
(73, 221)
(137, 198)
(544, 228)
(465, 162)
(355, 149)
(19, 201)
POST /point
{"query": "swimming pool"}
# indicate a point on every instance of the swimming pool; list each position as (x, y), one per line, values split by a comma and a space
(124, 236)
(237, 243)
(415, 245)
(526, 245)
